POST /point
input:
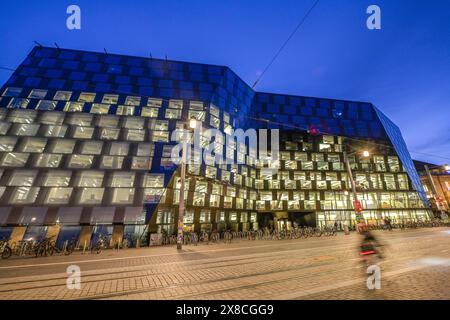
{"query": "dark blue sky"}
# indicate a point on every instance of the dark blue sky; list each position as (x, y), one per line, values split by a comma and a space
(404, 69)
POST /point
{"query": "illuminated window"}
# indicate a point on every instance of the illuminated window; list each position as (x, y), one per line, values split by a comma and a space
(86, 97)
(141, 163)
(123, 195)
(135, 135)
(80, 161)
(22, 178)
(125, 110)
(37, 94)
(132, 101)
(173, 114)
(154, 103)
(145, 149)
(57, 178)
(55, 131)
(109, 121)
(100, 108)
(149, 112)
(122, 179)
(12, 159)
(90, 179)
(63, 146)
(24, 129)
(119, 149)
(12, 92)
(48, 160)
(109, 134)
(18, 103)
(83, 132)
(33, 145)
(62, 95)
(58, 195)
(91, 195)
(111, 162)
(24, 195)
(74, 106)
(7, 143)
(110, 98)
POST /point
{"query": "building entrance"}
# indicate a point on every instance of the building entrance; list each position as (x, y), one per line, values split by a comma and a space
(303, 219)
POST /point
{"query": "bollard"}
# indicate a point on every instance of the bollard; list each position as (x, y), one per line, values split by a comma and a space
(64, 246)
(84, 247)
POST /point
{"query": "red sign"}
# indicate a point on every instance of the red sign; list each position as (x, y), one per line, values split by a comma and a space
(357, 205)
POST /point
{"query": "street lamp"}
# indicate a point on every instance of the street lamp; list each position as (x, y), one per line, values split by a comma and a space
(181, 206)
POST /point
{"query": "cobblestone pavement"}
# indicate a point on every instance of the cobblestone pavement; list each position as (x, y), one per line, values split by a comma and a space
(417, 266)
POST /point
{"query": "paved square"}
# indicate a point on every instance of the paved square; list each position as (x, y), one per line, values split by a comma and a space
(417, 266)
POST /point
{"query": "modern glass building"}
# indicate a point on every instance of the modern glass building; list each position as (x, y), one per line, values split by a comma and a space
(85, 148)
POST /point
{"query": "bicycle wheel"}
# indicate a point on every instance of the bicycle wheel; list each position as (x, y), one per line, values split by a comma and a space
(6, 253)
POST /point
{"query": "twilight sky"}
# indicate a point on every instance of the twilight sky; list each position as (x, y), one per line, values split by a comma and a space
(404, 69)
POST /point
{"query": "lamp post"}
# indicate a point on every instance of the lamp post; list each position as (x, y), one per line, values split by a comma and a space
(181, 206)
(357, 207)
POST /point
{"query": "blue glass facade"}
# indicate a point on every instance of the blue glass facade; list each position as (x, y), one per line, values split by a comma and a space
(85, 140)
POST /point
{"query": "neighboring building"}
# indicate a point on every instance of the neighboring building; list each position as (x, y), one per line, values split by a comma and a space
(85, 149)
(437, 187)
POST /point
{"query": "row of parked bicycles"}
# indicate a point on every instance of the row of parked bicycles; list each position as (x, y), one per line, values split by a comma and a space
(47, 247)
(435, 223)
(228, 236)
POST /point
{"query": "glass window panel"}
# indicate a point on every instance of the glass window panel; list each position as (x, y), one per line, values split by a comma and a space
(24, 195)
(18, 103)
(83, 132)
(135, 135)
(125, 110)
(122, 179)
(80, 161)
(72, 106)
(141, 163)
(109, 121)
(132, 101)
(54, 131)
(154, 103)
(24, 129)
(63, 146)
(86, 97)
(111, 162)
(145, 149)
(57, 178)
(149, 112)
(7, 143)
(173, 114)
(110, 98)
(58, 195)
(22, 178)
(62, 95)
(123, 195)
(119, 149)
(90, 179)
(33, 145)
(48, 160)
(91, 147)
(100, 108)
(91, 195)
(13, 159)
(109, 134)
(37, 94)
